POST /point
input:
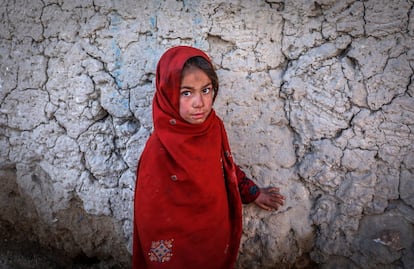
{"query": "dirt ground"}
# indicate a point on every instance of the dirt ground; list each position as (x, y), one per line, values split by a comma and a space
(17, 253)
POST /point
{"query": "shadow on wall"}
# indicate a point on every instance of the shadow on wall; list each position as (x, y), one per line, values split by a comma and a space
(27, 242)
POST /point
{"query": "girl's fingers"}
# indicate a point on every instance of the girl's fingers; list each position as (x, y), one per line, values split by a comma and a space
(272, 190)
(270, 199)
(265, 206)
(277, 196)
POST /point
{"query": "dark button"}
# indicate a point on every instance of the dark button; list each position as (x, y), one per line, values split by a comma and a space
(174, 178)
(173, 121)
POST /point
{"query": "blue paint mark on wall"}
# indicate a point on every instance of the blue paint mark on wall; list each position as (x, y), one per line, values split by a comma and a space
(115, 21)
(197, 42)
(117, 98)
(125, 103)
(153, 21)
(118, 63)
(197, 20)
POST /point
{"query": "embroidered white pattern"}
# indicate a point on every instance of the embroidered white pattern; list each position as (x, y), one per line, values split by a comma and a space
(161, 251)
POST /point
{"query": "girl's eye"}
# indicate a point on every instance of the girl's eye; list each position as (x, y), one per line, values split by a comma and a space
(206, 90)
(186, 93)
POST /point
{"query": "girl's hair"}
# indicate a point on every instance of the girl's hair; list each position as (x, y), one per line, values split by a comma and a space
(205, 66)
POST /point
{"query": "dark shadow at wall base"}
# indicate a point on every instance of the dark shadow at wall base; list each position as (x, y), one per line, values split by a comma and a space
(18, 253)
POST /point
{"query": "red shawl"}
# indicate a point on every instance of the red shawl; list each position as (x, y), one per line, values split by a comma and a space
(187, 209)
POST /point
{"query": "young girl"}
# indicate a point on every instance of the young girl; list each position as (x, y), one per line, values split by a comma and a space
(189, 191)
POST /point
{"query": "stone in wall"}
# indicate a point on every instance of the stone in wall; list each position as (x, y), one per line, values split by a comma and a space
(317, 98)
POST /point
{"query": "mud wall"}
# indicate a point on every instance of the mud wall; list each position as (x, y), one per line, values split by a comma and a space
(317, 98)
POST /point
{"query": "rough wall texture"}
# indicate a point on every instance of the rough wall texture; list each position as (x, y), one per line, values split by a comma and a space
(317, 97)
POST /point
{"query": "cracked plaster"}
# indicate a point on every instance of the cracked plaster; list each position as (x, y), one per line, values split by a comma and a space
(317, 97)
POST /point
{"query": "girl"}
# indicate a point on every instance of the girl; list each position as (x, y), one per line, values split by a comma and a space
(189, 191)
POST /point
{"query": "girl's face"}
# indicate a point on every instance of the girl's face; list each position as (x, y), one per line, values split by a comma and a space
(196, 96)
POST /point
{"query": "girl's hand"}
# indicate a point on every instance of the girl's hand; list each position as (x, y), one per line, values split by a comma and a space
(270, 198)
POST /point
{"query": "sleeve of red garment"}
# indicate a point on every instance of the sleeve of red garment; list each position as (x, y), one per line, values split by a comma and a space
(247, 188)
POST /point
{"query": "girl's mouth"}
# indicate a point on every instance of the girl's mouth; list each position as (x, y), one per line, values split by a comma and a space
(198, 115)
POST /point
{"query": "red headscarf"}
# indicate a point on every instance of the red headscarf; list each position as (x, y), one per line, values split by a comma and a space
(187, 211)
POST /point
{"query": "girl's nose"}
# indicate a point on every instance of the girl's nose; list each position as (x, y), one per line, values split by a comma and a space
(198, 100)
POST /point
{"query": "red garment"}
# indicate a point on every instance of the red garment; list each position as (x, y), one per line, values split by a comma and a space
(187, 208)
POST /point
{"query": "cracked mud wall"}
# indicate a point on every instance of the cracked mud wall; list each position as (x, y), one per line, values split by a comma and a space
(317, 97)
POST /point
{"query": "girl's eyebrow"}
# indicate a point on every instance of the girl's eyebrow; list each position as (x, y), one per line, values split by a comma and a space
(192, 88)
